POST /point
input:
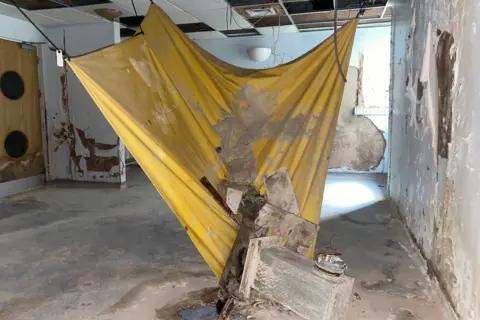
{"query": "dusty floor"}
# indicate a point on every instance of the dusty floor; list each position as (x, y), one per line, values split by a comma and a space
(71, 251)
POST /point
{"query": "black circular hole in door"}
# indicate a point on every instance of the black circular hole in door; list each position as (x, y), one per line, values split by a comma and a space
(11, 84)
(16, 144)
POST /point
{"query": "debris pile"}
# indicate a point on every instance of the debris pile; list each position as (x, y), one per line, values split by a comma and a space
(268, 264)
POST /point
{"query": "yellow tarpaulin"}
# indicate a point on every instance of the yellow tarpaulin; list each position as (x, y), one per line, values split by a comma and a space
(184, 115)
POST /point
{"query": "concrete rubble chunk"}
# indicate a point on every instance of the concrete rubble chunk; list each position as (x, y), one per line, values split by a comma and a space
(279, 191)
(300, 233)
(234, 197)
(291, 280)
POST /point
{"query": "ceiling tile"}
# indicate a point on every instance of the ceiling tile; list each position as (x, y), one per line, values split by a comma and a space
(126, 11)
(47, 4)
(37, 18)
(277, 29)
(175, 13)
(221, 19)
(192, 5)
(140, 5)
(71, 15)
(5, 8)
(206, 35)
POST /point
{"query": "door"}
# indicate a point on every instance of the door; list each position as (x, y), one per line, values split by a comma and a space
(21, 152)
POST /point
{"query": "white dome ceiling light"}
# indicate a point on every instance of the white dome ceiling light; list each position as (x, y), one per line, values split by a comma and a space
(259, 54)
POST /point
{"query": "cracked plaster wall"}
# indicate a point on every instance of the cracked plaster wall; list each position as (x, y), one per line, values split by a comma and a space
(435, 144)
(359, 145)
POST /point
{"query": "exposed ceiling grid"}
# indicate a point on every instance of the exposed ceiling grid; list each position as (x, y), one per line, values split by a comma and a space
(206, 19)
(222, 19)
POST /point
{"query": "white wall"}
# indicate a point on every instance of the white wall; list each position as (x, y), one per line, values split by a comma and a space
(371, 42)
(70, 111)
(18, 30)
(439, 197)
(289, 46)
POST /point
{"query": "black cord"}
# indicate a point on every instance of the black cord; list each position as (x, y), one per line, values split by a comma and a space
(335, 44)
(136, 15)
(361, 11)
(39, 30)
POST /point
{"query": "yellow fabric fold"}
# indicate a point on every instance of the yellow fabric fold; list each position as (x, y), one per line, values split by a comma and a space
(184, 114)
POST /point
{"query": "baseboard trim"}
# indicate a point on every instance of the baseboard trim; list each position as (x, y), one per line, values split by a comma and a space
(9, 188)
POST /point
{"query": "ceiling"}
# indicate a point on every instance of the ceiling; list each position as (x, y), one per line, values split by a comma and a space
(206, 19)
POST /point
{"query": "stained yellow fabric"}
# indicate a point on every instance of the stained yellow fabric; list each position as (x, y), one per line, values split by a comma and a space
(173, 104)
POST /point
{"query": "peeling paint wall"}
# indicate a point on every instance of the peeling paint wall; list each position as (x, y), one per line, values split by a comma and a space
(371, 50)
(359, 145)
(435, 145)
(82, 144)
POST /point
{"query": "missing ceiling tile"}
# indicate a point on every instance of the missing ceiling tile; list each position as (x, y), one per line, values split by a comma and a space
(240, 33)
(271, 21)
(260, 11)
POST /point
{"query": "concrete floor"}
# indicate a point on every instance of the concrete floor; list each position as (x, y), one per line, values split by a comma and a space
(76, 251)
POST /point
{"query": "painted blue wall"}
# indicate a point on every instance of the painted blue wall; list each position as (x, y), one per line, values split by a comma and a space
(18, 30)
(290, 46)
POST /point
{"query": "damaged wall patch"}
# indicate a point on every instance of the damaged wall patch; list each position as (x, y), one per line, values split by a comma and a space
(445, 75)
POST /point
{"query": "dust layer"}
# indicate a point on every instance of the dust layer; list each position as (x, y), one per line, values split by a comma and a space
(250, 121)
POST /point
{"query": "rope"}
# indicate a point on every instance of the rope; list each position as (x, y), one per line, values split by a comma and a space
(136, 15)
(39, 30)
(337, 58)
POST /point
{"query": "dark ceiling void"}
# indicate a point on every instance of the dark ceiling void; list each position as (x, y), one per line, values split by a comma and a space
(343, 15)
(131, 21)
(195, 27)
(299, 6)
(308, 6)
(135, 21)
(52, 4)
(127, 32)
(240, 33)
(308, 15)
(321, 5)
(270, 21)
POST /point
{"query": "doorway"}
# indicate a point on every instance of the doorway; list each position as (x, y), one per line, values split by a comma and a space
(21, 151)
